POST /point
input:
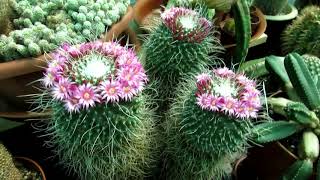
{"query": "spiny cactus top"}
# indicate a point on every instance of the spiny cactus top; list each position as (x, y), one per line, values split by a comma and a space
(94, 72)
(227, 92)
(186, 24)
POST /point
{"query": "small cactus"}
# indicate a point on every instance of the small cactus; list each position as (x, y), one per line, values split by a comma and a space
(300, 35)
(209, 124)
(178, 46)
(8, 171)
(6, 14)
(101, 124)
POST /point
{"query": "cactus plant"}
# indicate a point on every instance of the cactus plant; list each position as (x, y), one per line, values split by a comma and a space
(302, 116)
(8, 170)
(300, 35)
(59, 21)
(179, 46)
(210, 124)
(271, 7)
(101, 123)
(6, 14)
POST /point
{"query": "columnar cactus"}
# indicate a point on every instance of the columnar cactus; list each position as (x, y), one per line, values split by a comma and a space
(210, 124)
(179, 46)
(271, 7)
(8, 171)
(101, 124)
(68, 20)
(300, 35)
(5, 17)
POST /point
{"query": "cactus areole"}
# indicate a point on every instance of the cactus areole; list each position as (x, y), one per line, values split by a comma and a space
(95, 72)
(229, 93)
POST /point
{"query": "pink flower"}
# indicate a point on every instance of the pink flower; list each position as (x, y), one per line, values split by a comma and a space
(229, 105)
(87, 95)
(49, 79)
(110, 91)
(126, 91)
(74, 52)
(65, 46)
(224, 72)
(203, 78)
(203, 101)
(72, 105)
(86, 47)
(214, 103)
(62, 88)
(127, 59)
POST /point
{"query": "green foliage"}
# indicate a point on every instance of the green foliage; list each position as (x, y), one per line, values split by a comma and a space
(275, 130)
(8, 171)
(201, 144)
(242, 20)
(302, 81)
(109, 141)
(301, 169)
(301, 35)
(57, 21)
(271, 7)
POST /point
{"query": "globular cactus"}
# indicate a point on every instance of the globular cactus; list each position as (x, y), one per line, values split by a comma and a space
(8, 171)
(300, 35)
(180, 45)
(313, 64)
(271, 7)
(101, 124)
(6, 14)
(210, 124)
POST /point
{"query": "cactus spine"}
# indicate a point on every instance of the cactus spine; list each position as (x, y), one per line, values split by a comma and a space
(8, 171)
(300, 35)
(209, 125)
(101, 123)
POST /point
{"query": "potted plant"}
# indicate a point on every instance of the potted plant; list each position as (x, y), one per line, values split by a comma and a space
(278, 13)
(299, 110)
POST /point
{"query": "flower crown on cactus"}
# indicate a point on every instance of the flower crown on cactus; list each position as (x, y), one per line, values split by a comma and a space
(228, 92)
(186, 24)
(95, 72)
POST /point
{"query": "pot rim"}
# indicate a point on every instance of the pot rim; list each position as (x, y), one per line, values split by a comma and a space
(293, 14)
(35, 164)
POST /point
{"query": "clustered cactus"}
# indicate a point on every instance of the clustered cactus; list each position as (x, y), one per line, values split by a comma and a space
(302, 116)
(101, 123)
(210, 124)
(66, 20)
(178, 46)
(300, 35)
(8, 170)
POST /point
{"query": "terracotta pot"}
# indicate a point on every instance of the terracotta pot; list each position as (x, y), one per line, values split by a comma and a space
(260, 28)
(30, 164)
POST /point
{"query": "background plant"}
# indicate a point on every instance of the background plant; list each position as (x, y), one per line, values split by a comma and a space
(271, 7)
(301, 116)
(8, 170)
(209, 125)
(101, 124)
(61, 20)
(302, 35)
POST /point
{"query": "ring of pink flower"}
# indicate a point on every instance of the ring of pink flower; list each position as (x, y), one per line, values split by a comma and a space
(126, 82)
(245, 105)
(171, 16)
